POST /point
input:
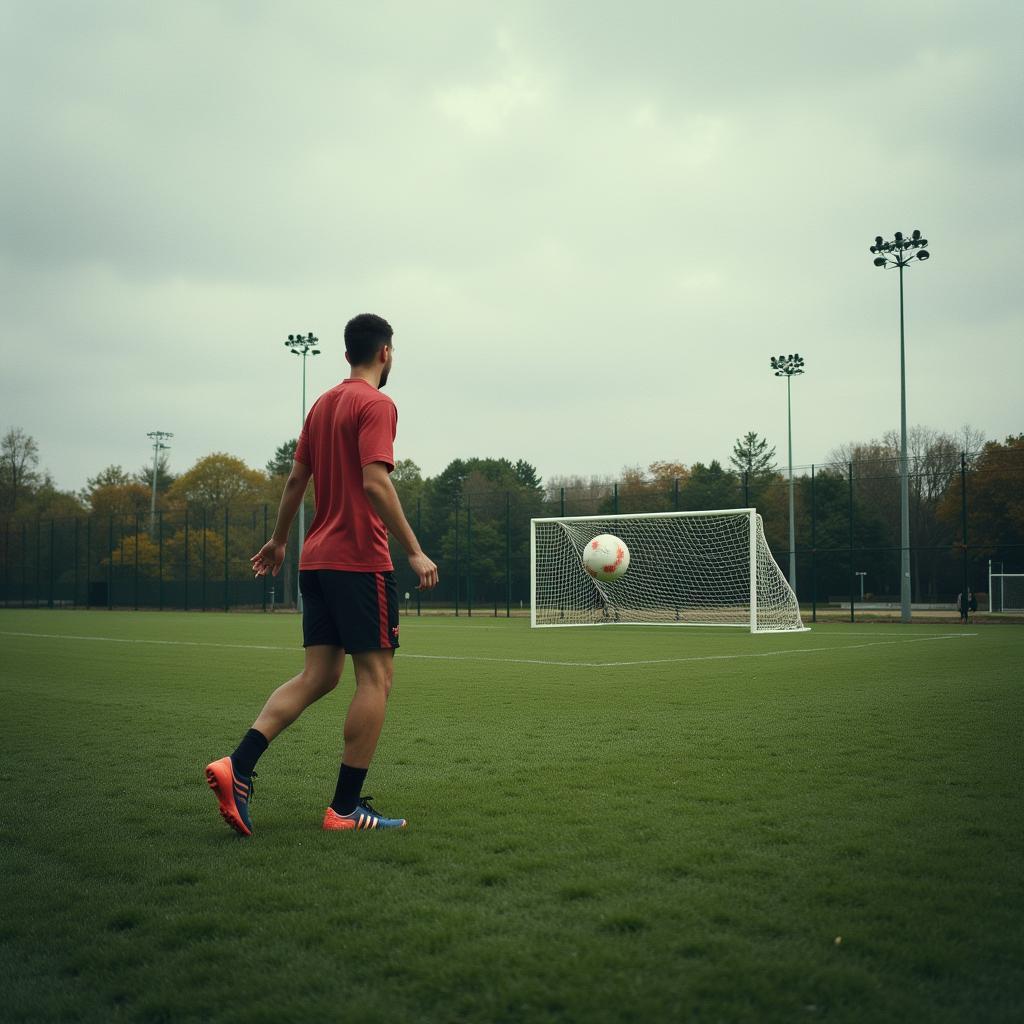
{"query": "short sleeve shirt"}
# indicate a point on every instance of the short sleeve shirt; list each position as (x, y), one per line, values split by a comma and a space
(349, 427)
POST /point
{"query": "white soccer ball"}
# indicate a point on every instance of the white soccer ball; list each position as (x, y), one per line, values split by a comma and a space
(606, 557)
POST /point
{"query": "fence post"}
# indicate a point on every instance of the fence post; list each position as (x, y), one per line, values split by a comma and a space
(74, 593)
(508, 555)
(39, 559)
(456, 559)
(814, 553)
(675, 494)
(227, 603)
(110, 564)
(50, 599)
(202, 581)
(852, 577)
(24, 564)
(469, 557)
(88, 563)
(264, 576)
(186, 558)
(419, 533)
(160, 558)
(963, 527)
(135, 581)
(746, 488)
(615, 499)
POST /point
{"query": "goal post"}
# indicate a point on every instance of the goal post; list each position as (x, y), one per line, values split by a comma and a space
(1005, 591)
(710, 568)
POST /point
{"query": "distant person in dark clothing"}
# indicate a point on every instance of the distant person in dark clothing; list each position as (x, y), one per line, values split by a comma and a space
(966, 603)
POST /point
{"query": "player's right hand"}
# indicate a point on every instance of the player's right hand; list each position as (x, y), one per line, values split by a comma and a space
(269, 558)
(425, 569)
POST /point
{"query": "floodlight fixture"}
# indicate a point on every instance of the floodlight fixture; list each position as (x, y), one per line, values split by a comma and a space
(157, 437)
(789, 367)
(899, 260)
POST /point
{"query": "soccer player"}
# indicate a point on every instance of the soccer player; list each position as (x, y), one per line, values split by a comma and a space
(349, 597)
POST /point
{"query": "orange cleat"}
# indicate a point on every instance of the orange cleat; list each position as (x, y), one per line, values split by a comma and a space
(233, 792)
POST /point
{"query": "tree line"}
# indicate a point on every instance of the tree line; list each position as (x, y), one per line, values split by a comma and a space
(473, 516)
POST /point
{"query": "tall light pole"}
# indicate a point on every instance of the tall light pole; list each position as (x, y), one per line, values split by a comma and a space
(302, 345)
(788, 367)
(897, 254)
(158, 437)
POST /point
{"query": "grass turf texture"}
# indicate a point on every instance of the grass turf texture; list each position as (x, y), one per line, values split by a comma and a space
(686, 839)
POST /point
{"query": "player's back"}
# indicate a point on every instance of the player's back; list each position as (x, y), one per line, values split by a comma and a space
(348, 427)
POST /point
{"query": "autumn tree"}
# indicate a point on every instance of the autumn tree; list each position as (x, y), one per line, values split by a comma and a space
(653, 489)
(710, 487)
(995, 503)
(933, 469)
(19, 457)
(113, 499)
(583, 495)
(50, 502)
(218, 481)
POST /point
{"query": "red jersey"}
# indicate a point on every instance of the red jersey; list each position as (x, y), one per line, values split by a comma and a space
(348, 427)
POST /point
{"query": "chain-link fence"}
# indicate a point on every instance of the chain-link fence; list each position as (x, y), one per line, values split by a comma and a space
(965, 511)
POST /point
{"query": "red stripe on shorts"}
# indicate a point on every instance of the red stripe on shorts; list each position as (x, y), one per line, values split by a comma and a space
(382, 612)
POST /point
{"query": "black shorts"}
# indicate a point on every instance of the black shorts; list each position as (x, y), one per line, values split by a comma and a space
(354, 610)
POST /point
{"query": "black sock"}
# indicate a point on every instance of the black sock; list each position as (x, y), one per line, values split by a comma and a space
(350, 784)
(248, 753)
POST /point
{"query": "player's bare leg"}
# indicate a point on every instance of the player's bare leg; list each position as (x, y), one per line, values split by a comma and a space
(230, 778)
(363, 723)
(374, 673)
(318, 677)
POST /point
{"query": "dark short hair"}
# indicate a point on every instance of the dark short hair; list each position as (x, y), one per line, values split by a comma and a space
(365, 336)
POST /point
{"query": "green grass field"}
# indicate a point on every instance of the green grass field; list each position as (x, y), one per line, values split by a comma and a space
(629, 824)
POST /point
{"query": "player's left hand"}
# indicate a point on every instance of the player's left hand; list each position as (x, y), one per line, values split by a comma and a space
(269, 558)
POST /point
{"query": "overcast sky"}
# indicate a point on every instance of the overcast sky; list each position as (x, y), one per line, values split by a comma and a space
(590, 224)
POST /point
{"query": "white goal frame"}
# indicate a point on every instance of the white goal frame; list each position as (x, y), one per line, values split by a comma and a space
(1001, 577)
(756, 545)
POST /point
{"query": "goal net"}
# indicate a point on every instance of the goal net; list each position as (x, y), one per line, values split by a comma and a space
(1006, 592)
(685, 569)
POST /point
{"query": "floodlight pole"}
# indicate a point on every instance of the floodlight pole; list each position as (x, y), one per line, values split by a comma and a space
(158, 437)
(894, 257)
(302, 345)
(788, 367)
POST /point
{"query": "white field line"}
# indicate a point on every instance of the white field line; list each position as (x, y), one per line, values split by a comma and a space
(508, 661)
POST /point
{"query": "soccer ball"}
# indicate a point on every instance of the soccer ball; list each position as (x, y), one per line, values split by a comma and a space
(606, 557)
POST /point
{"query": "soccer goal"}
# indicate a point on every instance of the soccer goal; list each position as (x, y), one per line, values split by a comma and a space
(686, 569)
(1005, 591)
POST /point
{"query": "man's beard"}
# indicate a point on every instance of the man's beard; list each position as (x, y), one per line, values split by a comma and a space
(383, 379)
